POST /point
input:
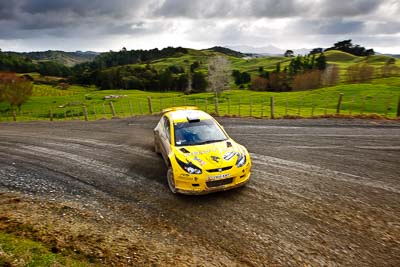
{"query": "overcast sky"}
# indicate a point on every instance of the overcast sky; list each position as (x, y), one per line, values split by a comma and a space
(102, 25)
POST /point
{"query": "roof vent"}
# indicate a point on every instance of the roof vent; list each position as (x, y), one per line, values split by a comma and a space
(193, 118)
(228, 144)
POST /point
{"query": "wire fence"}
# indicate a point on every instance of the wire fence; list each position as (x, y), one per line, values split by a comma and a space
(259, 107)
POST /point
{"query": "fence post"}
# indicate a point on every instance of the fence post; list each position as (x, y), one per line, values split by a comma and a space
(14, 115)
(251, 107)
(272, 108)
(130, 108)
(351, 105)
(150, 104)
(339, 104)
(112, 109)
(51, 115)
(140, 107)
(85, 113)
(398, 107)
(104, 110)
(216, 105)
(312, 107)
(122, 109)
(262, 107)
(387, 106)
(94, 111)
(363, 105)
(286, 107)
(300, 104)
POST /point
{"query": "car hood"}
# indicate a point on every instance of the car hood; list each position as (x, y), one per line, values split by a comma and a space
(210, 156)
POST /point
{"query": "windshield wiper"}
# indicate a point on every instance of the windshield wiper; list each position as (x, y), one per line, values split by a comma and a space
(210, 141)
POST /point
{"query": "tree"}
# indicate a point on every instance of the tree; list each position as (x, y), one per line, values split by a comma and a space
(166, 80)
(245, 77)
(359, 73)
(278, 82)
(289, 53)
(320, 62)
(237, 77)
(259, 84)
(199, 82)
(307, 80)
(194, 66)
(317, 50)
(241, 77)
(348, 47)
(390, 68)
(331, 76)
(218, 74)
(14, 90)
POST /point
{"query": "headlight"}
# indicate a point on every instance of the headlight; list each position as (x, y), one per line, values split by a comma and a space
(241, 160)
(188, 167)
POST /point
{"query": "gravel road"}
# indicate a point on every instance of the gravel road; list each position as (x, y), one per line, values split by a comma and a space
(323, 192)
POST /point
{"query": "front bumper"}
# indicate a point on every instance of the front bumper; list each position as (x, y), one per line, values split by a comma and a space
(200, 184)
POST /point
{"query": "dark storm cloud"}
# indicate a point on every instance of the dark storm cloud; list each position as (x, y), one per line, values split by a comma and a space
(231, 8)
(331, 8)
(279, 9)
(264, 8)
(45, 14)
(328, 26)
(113, 8)
(8, 9)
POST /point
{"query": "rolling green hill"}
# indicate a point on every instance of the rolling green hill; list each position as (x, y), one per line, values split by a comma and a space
(339, 56)
(65, 58)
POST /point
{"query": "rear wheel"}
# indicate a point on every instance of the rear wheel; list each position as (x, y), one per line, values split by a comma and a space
(170, 179)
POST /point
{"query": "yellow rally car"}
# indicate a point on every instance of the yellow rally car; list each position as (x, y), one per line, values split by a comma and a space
(200, 156)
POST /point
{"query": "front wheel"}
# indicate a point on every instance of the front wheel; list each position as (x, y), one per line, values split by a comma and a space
(170, 179)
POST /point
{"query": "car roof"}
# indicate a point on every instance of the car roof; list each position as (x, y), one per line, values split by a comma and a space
(185, 115)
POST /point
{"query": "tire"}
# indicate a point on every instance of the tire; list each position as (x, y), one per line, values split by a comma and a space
(171, 181)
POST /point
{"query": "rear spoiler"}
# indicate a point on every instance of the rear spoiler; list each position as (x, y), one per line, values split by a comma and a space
(179, 108)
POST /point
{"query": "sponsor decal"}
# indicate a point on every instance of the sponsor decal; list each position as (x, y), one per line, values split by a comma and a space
(199, 161)
(215, 158)
(229, 155)
(207, 151)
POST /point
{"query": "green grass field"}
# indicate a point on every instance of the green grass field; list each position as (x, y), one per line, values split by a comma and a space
(379, 97)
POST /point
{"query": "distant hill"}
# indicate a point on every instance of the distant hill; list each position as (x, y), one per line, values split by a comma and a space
(65, 58)
(269, 50)
(226, 51)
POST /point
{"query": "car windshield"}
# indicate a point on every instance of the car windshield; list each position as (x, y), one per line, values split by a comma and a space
(198, 133)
